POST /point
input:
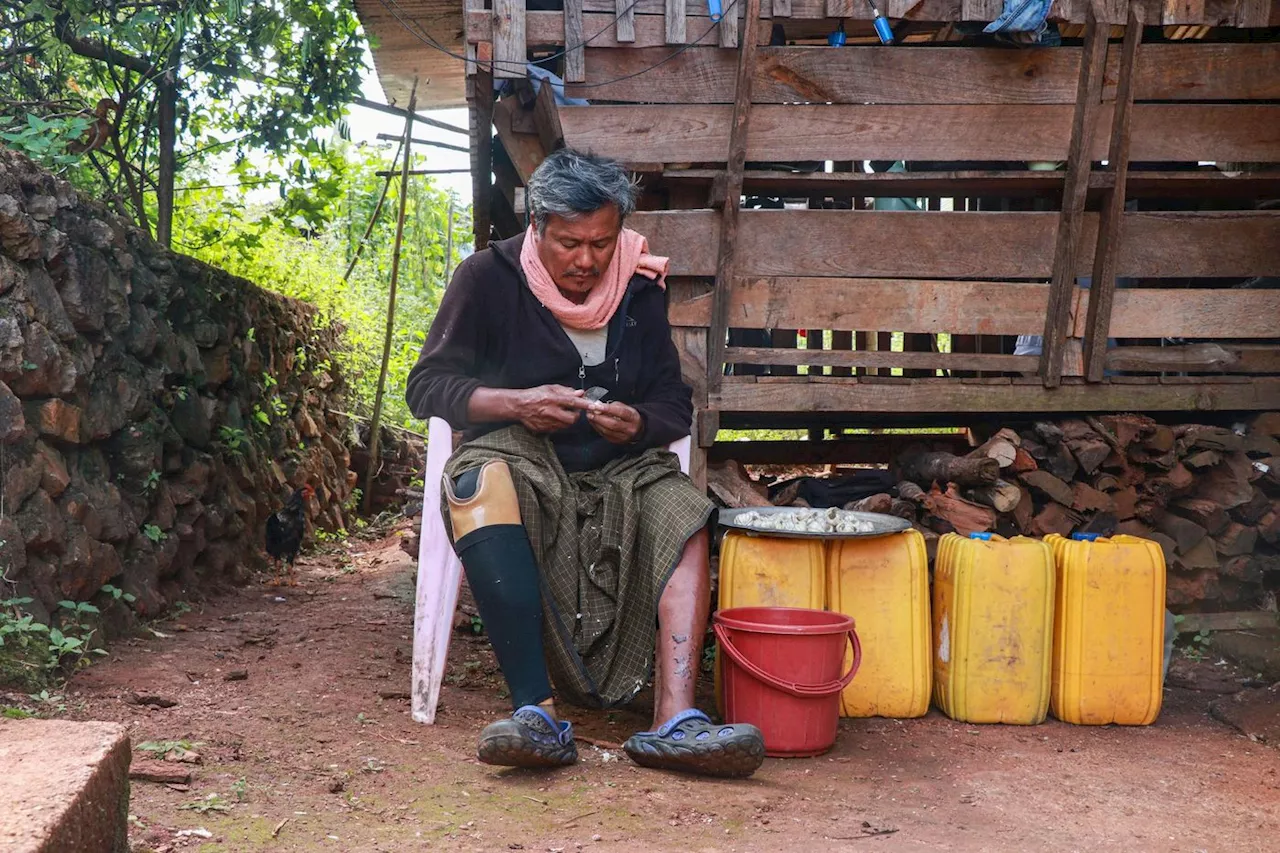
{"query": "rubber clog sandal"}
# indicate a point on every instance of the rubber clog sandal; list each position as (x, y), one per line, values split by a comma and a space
(691, 743)
(528, 738)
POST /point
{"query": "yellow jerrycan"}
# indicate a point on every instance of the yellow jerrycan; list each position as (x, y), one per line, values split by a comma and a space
(769, 571)
(883, 583)
(1108, 630)
(992, 628)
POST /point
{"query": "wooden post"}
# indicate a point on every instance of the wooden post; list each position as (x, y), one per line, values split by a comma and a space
(375, 423)
(510, 55)
(626, 26)
(546, 118)
(1083, 125)
(480, 117)
(448, 246)
(1102, 289)
(373, 219)
(729, 23)
(575, 66)
(675, 21)
(167, 90)
(737, 158)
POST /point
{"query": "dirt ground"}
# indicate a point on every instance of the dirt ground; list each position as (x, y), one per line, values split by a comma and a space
(315, 750)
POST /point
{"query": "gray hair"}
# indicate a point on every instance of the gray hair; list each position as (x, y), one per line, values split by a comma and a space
(570, 184)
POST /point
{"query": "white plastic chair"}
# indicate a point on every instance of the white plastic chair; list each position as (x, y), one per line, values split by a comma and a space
(440, 573)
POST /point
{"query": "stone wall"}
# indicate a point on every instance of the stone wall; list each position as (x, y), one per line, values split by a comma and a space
(154, 411)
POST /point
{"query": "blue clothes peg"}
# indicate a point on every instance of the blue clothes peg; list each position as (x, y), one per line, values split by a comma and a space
(883, 30)
(837, 38)
(713, 7)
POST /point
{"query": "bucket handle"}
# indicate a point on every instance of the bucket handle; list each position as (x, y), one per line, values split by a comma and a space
(803, 691)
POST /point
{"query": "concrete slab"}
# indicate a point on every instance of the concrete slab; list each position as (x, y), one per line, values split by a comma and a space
(1256, 650)
(66, 787)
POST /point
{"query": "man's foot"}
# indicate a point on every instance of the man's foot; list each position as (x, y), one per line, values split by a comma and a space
(691, 743)
(529, 738)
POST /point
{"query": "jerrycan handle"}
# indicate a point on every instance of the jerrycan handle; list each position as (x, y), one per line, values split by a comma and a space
(1085, 537)
(985, 537)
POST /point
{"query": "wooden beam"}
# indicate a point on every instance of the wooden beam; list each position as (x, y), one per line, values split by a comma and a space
(1246, 620)
(731, 12)
(849, 450)
(856, 358)
(509, 52)
(691, 133)
(726, 263)
(870, 244)
(429, 143)
(974, 183)
(418, 117)
(547, 29)
(546, 118)
(1188, 71)
(523, 147)
(574, 59)
(1106, 251)
(480, 120)
(957, 396)
(1192, 358)
(1190, 313)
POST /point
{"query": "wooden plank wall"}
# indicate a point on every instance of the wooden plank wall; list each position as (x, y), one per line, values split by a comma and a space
(953, 283)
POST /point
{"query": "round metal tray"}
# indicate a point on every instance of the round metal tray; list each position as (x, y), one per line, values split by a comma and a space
(883, 523)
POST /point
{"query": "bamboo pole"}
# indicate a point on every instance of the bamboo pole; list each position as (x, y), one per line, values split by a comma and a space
(448, 246)
(376, 421)
(377, 209)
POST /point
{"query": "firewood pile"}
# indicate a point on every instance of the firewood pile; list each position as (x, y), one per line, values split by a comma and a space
(1209, 495)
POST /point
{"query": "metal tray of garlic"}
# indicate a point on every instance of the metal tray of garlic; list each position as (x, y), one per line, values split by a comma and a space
(803, 523)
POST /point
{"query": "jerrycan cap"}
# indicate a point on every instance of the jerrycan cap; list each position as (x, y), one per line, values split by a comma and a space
(1085, 537)
(985, 537)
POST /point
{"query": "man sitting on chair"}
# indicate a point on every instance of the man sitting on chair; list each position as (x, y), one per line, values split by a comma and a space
(577, 530)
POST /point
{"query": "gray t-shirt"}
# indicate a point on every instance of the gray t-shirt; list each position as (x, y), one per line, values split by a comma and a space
(591, 343)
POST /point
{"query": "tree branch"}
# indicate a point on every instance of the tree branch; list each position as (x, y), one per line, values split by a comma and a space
(91, 49)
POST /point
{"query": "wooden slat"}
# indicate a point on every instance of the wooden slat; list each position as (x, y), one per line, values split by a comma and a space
(1183, 12)
(1254, 13)
(1159, 313)
(508, 40)
(973, 183)
(850, 450)
(1257, 359)
(523, 147)
(956, 396)
(943, 75)
(574, 58)
(980, 10)
(727, 258)
(480, 119)
(682, 134)
(546, 118)
(547, 29)
(675, 18)
(879, 244)
(1192, 623)
(625, 21)
(782, 8)
(1191, 358)
(729, 18)
(1107, 249)
(907, 360)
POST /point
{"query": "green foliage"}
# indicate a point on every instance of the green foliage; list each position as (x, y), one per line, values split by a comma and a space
(12, 712)
(162, 748)
(253, 81)
(154, 533)
(33, 653)
(118, 594)
(233, 438)
(211, 803)
(152, 482)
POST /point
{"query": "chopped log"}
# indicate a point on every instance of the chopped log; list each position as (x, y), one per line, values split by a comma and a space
(1255, 509)
(1061, 463)
(1228, 484)
(965, 516)
(733, 486)
(903, 509)
(999, 447)
(1048, 433)
(1187, 534)
(1106, 483)
(1211, 438)
(1165, 461)
(1267, 423)
(1180, 478)
(787, 494)
(1126, 502)
(1089, 452)
(1261, 446)
(880, 503)
(1117, 462)
(1035, 449)
(1269, 526)
(1075, 429)
(1102, 524)
(1024, 511)
(1167, 546)
(1202, 556)
(1237, 540)
(1149, 510)
(1086, 498)
(1023, 461)
(1203, 459)
(1161, 440)
(1127, 429)
(925, 469)
(1133, 527)
(1054, 518)
(1208, 514)
(909, 491)
(1048, 485)
(1001, 496)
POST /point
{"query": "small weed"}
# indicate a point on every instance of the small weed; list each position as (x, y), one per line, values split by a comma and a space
(181, 392)
(179, 608)
(152, 482)
(240, 788)
(363, 720)
(261, 416)
(117, 594)
(12, 712)
(233, 437)
(52, 701)
(709, 657)
(372, 765)
(154, 533)
(211, 803)
(251, 333)
(1198, 646)
(161, 748)
(477, 625)
(269, 380)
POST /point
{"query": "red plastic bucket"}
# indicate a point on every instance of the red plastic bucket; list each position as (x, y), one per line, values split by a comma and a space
(781, 673)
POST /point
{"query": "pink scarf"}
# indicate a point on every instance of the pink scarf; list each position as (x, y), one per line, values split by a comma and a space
(630, 257)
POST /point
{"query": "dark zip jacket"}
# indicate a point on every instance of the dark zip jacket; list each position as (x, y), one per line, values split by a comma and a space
(492, 332)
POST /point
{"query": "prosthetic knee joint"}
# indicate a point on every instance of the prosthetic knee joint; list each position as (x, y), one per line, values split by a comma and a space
(482, 497)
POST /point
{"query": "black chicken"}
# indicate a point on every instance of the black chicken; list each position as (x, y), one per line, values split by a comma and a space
(285, 528)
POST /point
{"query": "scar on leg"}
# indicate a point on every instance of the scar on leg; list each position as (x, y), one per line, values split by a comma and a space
(682, 667)
(680, 638)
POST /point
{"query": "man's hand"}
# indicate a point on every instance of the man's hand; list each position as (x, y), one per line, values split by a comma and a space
(617, 422)
(549, 408)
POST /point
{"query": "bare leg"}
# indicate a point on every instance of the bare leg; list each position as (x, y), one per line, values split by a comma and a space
(682, 621)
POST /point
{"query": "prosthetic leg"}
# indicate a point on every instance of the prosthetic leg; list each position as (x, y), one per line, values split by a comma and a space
(503, 576)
